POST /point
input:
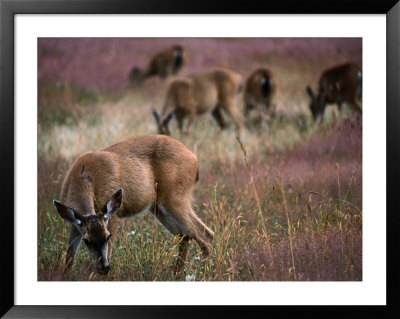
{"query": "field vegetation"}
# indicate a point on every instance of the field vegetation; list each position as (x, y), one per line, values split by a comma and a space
(285, 203)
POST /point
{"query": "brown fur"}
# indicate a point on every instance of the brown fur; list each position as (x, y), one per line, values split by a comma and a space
(340, 84)
(164, 63)
(153, 170)
(199, 93)
(259, 93)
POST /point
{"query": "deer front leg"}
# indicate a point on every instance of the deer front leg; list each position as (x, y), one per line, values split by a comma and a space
(189, 122)
(75, 238)
(248, 107)
(272, 110)
(264, 124)
(113, 227)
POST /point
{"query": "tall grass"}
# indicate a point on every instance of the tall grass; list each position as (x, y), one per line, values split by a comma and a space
(296, 230)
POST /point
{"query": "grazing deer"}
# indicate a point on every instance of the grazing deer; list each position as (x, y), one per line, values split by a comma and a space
(164, 63)
(260, 89)
(193, 95)
(154, 173)
(340, 84)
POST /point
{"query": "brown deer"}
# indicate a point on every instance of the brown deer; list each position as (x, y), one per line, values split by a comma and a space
(154, 173)
(340, 84)
(259, 92)
(163, 64)
(199, 93)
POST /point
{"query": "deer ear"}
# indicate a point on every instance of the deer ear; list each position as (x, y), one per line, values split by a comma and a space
(113, 204)
(67, 213)
(169, 118)
(310, 92)
(156, 117)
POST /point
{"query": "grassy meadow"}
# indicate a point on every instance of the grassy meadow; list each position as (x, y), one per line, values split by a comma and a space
(286, 205)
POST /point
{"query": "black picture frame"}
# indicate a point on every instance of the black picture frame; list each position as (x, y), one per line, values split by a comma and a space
(8, 10)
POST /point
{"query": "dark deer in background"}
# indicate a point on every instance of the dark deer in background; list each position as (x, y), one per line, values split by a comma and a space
(338, 85)
(164, 63)
(259, 93)
(154, 173)
(188, 97)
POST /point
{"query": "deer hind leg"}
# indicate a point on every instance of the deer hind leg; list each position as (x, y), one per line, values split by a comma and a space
(74, 242)
(179, 118)
(183, 250)
(356, 105)
(182, 221)
(174, 226)
(216, 113)
(197, 230)
(230, 107)
(339, 114)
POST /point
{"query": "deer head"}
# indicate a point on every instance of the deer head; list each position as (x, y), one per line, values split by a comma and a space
(163, 124)
(317, 106)
(93, 228)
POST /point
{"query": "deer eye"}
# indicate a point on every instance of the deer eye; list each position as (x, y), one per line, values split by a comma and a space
(87, 242)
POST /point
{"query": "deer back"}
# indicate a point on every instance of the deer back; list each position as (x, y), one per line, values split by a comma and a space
(167, 62)
(208, 89)
(260, 86)
(146, 167)
(340, 83)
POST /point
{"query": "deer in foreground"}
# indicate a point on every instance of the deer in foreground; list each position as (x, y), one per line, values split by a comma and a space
(340, 84)
(163, 64)
(259, 92)
(188, 97)
(154, 173)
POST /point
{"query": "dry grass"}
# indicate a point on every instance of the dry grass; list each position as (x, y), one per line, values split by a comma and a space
(288, 208)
